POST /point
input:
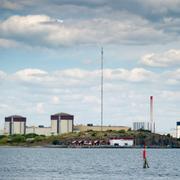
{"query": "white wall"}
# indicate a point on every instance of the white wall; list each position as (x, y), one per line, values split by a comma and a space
(121, 142)
(65, 126)
(178, 131)
(18, 127)
(54, 126)
(40, 131)
(6, 128)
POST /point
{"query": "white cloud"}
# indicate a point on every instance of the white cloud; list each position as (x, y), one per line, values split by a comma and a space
(134, 75)
(168, 58)
(43, 30)
(75, 77)
(30, 75)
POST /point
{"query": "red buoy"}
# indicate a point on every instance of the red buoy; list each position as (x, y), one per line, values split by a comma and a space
(145, 157)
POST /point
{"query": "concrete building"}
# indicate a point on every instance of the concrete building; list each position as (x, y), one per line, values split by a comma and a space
(121, 142)
(15, 125)
(62, 123)
(40, 130)
(144, 125)
(178, 129)
(98, 128)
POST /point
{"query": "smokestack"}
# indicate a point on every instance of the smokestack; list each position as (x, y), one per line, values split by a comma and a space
(151, 109)
(151, 114)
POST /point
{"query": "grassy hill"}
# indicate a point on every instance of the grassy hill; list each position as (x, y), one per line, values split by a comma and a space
(140, 137)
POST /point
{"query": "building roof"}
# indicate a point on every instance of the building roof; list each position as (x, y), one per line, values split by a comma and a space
(15, 116)
(62, 114)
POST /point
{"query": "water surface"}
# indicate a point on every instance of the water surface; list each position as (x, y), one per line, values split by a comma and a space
(87, 164)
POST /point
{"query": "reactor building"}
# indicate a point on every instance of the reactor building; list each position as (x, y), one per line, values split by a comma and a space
(15, 125)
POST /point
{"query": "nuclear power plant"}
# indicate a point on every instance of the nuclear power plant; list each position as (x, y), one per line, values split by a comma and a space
(60, 123)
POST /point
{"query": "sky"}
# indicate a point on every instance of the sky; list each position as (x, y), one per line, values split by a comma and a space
(50, 52)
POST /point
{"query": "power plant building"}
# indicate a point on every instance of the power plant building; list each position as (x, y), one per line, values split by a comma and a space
(62, 123)
(40, 130)
(15, 125)
(147, 125)
(144, 125)
(92, 127)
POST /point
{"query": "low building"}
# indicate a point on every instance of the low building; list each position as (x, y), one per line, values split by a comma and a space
(62, 123)
(123, 142)
(144, 125)
(178, 129)
(15, 124)
(89, 127)
(40, 130)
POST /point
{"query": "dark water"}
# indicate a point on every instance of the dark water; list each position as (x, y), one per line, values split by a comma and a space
(93, 164)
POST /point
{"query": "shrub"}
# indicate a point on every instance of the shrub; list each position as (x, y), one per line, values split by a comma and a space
(122, 131)
(4, 140)
(31, 135)
(38, 138)
(17, 139)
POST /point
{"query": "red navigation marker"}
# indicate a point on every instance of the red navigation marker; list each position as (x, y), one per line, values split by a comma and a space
(145, 157)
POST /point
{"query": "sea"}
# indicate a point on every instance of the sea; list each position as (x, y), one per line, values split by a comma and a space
(88, 164)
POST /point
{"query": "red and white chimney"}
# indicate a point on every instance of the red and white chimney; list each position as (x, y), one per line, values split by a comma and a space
(151, 114)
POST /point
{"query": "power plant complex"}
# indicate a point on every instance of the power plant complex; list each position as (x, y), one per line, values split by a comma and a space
(64, 123)
(60, 123)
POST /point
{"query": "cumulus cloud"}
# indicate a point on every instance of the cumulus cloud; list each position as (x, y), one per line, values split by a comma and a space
(168, 58)
(30, 75)
(71, 77)
(134, 75)
(42, 30)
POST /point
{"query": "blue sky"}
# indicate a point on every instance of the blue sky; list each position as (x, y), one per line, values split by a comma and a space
(50, 60)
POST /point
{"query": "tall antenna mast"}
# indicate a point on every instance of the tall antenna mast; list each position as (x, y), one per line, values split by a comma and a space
(102, 88)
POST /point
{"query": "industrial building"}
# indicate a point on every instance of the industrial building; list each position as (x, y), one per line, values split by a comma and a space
(15, 125)
(143, 125)
(40, 130)
(62, 123)
(89, 127)
(178, 129)
(150, 125)
(123, 142)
